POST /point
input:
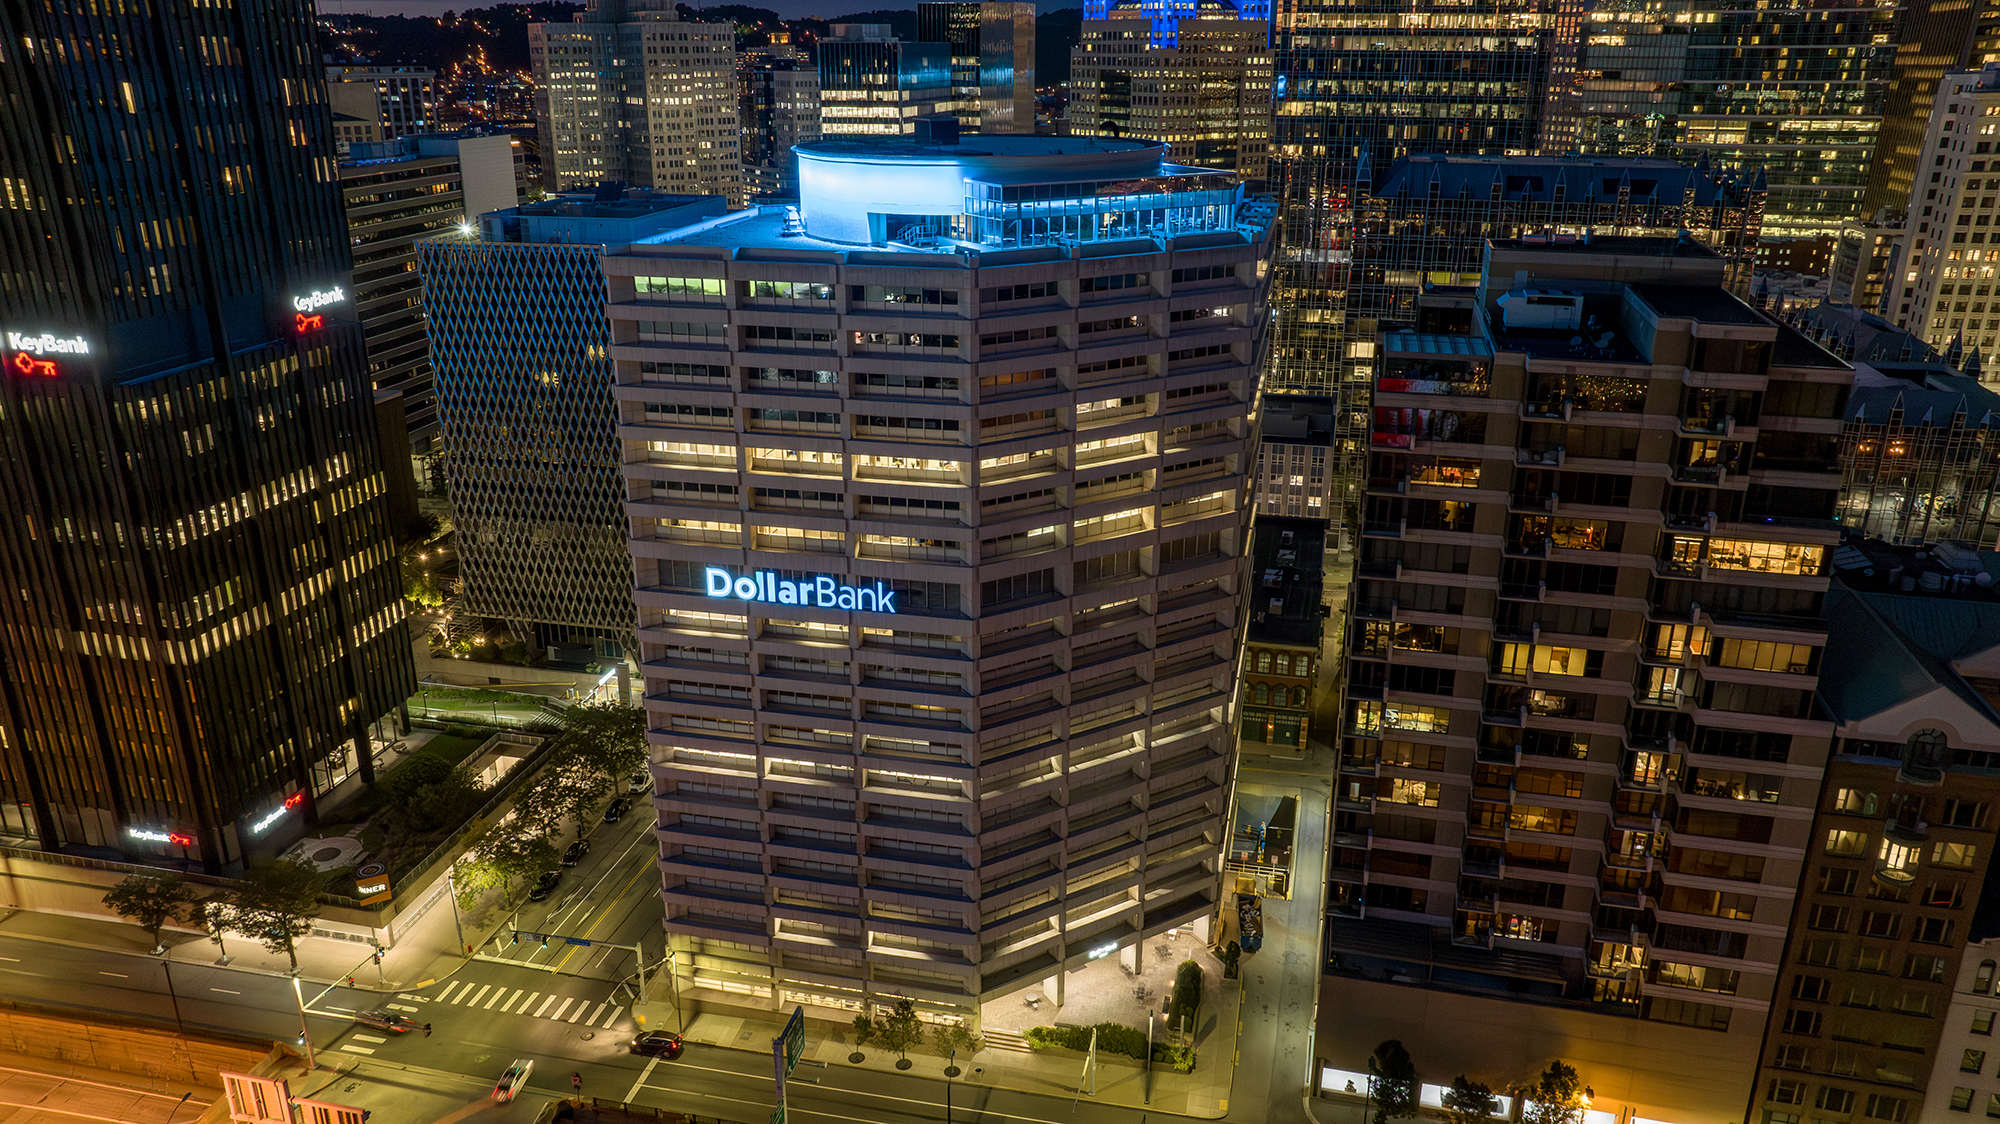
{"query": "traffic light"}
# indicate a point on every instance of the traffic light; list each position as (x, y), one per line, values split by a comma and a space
(517, 938)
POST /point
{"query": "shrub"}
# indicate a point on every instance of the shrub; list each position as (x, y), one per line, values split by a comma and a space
(1112, 1038)
(1186, 1001)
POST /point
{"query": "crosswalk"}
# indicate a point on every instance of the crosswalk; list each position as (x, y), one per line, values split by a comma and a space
(502, 999)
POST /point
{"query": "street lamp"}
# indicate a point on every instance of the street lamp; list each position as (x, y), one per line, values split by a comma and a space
(948, 1067)
(451, 890)
(305, 1034)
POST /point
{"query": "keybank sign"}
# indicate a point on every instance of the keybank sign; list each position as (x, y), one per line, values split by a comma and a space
(821, 592)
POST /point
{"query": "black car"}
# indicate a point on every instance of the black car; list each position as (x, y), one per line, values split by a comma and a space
(616, 809)
(381, 1018)
(545, 885)
(575, 853)
(657, 1044)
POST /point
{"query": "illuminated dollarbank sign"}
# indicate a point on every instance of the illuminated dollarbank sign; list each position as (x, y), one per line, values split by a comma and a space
(821, 592)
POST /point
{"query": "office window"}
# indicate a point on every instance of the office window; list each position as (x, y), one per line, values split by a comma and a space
(1835, 1100)
(1972, 1061)
(1982, 1022)
(1881, 1106)
(1961, 1100)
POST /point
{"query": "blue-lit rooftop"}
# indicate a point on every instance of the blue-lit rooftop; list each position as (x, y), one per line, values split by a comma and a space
(1002, 192)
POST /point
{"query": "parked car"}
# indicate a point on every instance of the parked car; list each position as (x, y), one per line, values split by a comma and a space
(382, 1018)
(657, 1044)
(575, 852)
(545, 885)
(616, 809)
(513, 1080)
(638, 783)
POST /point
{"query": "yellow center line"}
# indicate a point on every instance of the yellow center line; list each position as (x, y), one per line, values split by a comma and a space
(606, 916)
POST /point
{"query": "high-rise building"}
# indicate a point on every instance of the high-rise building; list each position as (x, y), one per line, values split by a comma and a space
(1343, 101)
(1579, 759)
(1424, 222)
(530, 456)
(992, 60)
(1898, 857)
(873, 84)
(1798, 94)
(778, 107)
(395, 100)
(1960, 1076)
(1948, 263)
(1167, 15)
(630, 93)
(1207, 92)
(941, 557)
(396, 193)
(204, 620)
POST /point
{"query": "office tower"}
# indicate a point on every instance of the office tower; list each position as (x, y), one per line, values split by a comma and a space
(1933, 38)
(1207, 92)
(1579, 759)
(629, 93)
(778, 107)
(1425, 221)
(1348, 102)
(530, 446)
(873, 84)
(204, 619)
(1292, 457)
(1166, 15)
(941, 559)
(1902, 844)
(396, 193)
(1948, 267)
(992, 61)
(1800, 94)
(396, 100)
(1866, 260)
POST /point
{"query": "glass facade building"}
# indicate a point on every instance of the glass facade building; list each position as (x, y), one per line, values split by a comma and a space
(204, 628)
(992, 60)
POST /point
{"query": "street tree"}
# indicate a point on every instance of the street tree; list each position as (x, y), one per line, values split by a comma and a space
(954, 1039)
(506, 861)
(610, 735)
(900, 1031)
(1469, 1102)
(570, 788)
(1392, 1082)
(864, 1033)
(277, 903)
(150, 901)
(1559, 1096)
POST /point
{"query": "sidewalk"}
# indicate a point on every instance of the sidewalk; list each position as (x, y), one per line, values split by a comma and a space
(1120, 1081)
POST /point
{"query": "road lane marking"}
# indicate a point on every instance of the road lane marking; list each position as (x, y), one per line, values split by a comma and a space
(474, 1001)
(400, 1007)
(609, 906)
(641, 1083)
(495, 999)
(559, 1010)
(522, 997)
(593, 1015)
(612, 1018)
(411, 998)
(368, 1038)
(545, 1004)
(225, 991)
(445, 995)
(357, 1049)
(120, 975)
(11, 959)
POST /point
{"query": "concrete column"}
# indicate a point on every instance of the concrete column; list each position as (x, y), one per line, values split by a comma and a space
(1052, 988)
(1133, 956)
(1203, 925)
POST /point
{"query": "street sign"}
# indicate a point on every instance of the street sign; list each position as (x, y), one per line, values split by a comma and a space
(785, 1050)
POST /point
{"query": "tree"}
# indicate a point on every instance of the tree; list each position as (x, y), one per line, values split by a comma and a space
(506, 861)
(150, 902)
(1392, 1082)
(864, 1033)
(420, 588)
(276, 904)
(901, 1030)
(1559, 1097)
(1469, 1102)
(954, 1039)
(445, 802)
(570, 788)
(611, 736)
(1185, 1002)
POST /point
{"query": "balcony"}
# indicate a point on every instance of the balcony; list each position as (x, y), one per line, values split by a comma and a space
(1707, 426)
(1517, 591)
(1546, 410)
(1710, 475)
(1539, 458)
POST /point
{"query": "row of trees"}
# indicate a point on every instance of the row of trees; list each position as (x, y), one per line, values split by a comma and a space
(274, 904)
(902, 1031)
(602, 743)
(1558, 1096)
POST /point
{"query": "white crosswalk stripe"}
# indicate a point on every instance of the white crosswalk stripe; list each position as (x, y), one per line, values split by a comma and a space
(524, 997)
(401, 1007)
(559, 1010)
(368, 1038)
(546, 1004)
(593, 1014)
(445, 995)
(357, 1049)
(612, 1018)
(496, 998)
(474, 1001)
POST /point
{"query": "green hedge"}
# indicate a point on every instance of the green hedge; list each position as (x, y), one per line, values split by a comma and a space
(1112, 1038)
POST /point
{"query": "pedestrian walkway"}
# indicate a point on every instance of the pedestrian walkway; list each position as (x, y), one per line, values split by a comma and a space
(501, 999)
